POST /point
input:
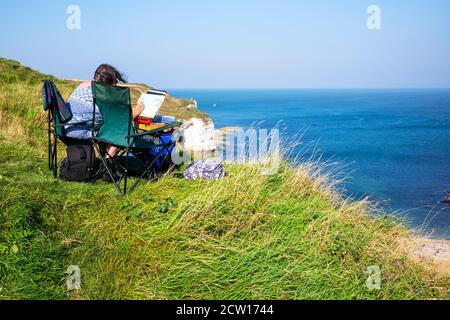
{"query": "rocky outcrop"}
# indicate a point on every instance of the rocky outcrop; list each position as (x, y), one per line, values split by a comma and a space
(192, 105)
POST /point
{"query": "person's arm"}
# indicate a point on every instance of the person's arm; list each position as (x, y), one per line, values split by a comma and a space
(138, 109)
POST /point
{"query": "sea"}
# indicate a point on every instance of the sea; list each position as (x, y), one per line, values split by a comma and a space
(392, 145)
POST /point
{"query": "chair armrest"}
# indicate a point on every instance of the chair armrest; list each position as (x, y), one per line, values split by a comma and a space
(72, 124)
(157, 130)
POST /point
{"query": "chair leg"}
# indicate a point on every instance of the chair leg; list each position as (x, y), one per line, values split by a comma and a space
(146, 170)
(49, 140)
(101, 169)
(108, 170)
(50, 152)
(126, 172)
(107, 167)
(55, 157)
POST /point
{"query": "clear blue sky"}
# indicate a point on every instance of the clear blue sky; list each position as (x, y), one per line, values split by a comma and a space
(236, 44)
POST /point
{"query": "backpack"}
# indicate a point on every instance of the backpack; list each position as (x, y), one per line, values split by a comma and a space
(80, 164)
(205, 169)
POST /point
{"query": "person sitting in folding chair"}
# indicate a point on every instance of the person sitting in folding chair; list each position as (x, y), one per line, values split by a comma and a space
(117, 132)
(81, 101)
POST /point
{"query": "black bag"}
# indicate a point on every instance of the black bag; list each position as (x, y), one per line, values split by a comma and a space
(80, 164)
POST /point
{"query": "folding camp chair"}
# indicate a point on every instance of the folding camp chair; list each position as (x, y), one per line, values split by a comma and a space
(116, 129)
(58, 117)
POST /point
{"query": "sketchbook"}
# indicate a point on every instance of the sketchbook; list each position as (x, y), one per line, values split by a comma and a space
(152, 101)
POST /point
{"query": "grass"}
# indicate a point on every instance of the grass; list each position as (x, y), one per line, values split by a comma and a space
(249, 236)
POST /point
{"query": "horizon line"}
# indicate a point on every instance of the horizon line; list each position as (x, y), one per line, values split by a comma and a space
(313, 88)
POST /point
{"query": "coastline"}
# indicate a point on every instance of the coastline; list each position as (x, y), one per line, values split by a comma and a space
(204, 138)
(249, 236)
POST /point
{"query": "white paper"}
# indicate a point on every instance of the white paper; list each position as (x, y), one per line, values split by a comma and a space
(152, 104)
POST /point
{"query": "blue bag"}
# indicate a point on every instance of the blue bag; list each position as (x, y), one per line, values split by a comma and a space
(161, 160)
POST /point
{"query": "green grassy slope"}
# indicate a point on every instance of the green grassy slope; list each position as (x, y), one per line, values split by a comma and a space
(244, 237)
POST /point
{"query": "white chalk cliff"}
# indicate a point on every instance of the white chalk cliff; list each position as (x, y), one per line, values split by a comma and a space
(198, 135)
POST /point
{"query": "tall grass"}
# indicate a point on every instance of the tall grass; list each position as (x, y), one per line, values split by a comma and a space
(290, 235)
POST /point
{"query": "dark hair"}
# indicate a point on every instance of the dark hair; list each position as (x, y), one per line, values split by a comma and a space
(109, 75)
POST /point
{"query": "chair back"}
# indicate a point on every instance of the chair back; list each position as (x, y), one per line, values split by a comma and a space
(54, 103)
(114, 104)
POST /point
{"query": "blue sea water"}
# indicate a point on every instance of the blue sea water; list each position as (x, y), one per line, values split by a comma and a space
(394, 144)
